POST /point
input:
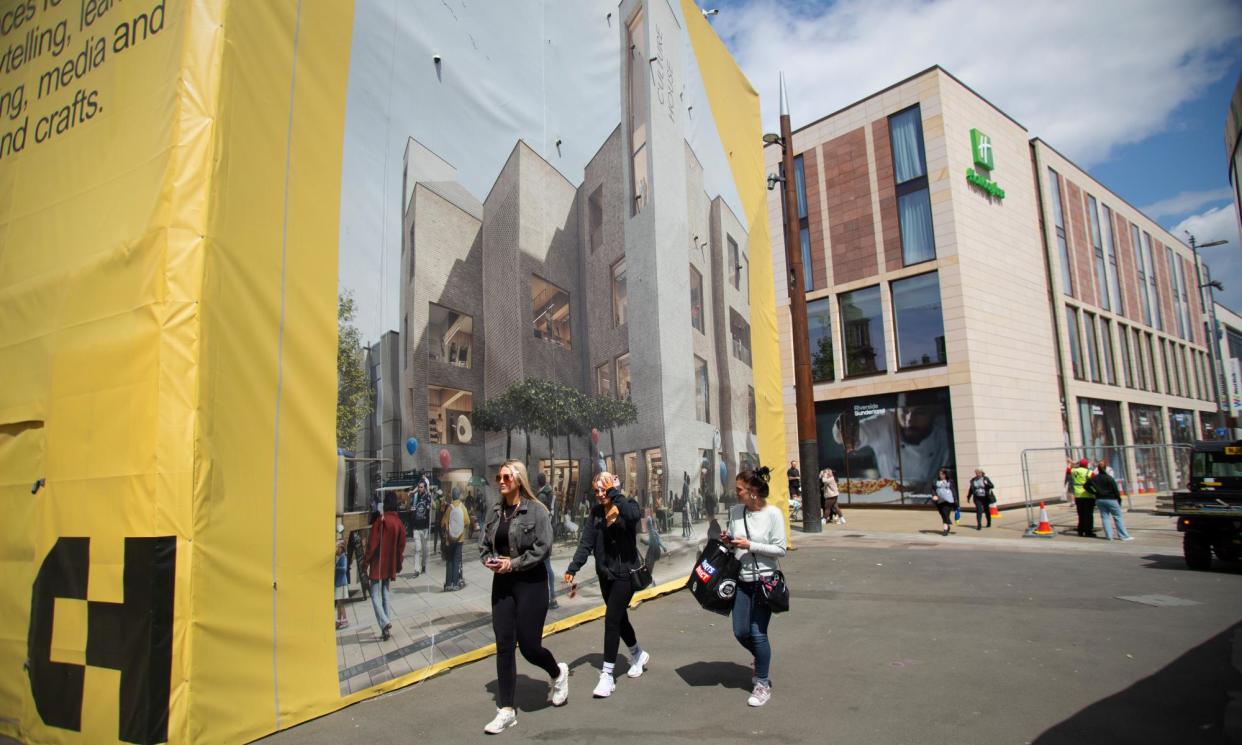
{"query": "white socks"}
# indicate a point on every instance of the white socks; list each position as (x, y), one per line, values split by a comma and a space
(608, 667)
(636, 652)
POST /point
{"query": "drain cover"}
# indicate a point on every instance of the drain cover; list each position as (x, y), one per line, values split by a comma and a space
(1159, 601)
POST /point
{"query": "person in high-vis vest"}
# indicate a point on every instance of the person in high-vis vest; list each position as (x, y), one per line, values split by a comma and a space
(1083, 500)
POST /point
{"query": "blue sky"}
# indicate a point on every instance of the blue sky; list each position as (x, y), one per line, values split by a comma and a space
(1134, 91)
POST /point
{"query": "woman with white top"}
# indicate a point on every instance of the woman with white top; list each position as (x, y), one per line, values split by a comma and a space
(944, 499)
(756, 532)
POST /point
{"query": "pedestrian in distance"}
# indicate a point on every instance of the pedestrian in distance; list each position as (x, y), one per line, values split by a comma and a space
(547, 498)
(944, 498)
(610, 537)
(515, 540)
(1107, 495)
(830, 493)
(756, 533)
(420, 518)
(455, 525)
(1083, 501)
(341, 579)
(687, 526)
(385, 555)
(655, 546)
(981, 492)
(795, 479)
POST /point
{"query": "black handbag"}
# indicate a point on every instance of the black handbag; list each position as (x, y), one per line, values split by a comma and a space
(640, 577)
(772, 587)
(713, 579)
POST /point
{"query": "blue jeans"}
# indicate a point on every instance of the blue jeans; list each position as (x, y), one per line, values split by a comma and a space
(547, 567)
(379, 587)
(750, 626)
(1111, 508)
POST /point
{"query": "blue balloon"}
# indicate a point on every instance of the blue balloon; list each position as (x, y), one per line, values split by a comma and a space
(411, 445)
(724, 473)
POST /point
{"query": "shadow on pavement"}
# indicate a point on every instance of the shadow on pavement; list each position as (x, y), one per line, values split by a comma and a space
(531, 694)
(727, 674)
(1187, 701)
(1177, 563)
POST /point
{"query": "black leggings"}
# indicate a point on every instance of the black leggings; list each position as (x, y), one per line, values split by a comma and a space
(982, 510)
(946, 511)
(519, 608)
(617, 595)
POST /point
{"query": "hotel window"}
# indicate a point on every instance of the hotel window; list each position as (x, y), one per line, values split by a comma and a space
(1140, 364)
(1175, 290)
(702, 408)
(603, 380)
(637, 105)
(623, 377)
(1170, 378)
(914, 213)
(862, 329)
(1058, 217)
(1142, 274)
(1101, 272)
(804, 228)
(918, 321)
(696, 300)
(447, 408)
(620, 299)
(819, 331)
(450, 336)
(1093, 347)
(739, 332)
(1188, 388)
(1106, 344)
(1075, 341)
(1152, 365)
(1110, 250)
(1152, 290)
(751, 410)
(550, 312)
(1185, 297)
(1127, 362)
(735, 263)
(595, 218)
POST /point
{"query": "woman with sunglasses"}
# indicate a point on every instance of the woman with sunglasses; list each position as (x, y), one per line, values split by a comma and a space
(516, 538)
(756, 532)
(610, 536)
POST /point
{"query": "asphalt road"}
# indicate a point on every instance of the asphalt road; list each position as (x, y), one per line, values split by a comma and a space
(922, 641)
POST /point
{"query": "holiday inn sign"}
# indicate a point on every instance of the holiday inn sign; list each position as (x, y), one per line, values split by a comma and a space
(981, 152)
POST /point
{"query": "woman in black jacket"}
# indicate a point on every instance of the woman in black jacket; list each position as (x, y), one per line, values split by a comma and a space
(610, 536)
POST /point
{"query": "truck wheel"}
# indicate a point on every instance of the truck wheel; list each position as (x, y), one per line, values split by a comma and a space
(1197, 552)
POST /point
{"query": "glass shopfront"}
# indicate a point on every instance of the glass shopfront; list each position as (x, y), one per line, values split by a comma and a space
(887, 449)
(1145, 425)
(1181, 432)
(1103, 438)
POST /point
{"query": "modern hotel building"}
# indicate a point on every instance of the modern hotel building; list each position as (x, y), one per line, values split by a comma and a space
(973, 294)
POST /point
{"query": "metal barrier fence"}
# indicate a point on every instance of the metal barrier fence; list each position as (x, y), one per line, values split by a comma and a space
(1138, 469)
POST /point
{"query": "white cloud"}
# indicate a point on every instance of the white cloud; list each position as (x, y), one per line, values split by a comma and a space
(1225, 261)
(1087, 77)
(1186, 201)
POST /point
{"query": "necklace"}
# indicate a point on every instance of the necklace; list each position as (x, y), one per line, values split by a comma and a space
(509, 513)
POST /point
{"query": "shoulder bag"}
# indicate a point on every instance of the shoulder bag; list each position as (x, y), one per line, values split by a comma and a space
(772, 587)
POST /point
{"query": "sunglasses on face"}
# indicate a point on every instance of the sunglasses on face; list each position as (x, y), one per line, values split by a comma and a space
(503, 477)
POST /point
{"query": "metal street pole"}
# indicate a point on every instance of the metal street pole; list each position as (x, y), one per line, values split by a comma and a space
(1213, 338)
(808, 447)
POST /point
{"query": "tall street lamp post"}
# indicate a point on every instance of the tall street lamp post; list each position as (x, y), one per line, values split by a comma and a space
(808, 448)
(1213, 337)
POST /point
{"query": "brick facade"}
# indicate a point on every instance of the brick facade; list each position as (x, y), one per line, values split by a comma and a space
(851, 225)
(1080, 243)
(815, 221)
(1127, 269)
(890, 222)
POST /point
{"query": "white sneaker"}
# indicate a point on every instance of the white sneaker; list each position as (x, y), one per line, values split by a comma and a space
(558, 691)
(639, 665)
(1128, 538)
(505, 718)
(822, 521)
(761, 695)
(841, 520)
(605, 687)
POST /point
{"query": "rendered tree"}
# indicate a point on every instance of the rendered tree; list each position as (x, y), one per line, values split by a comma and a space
(353, 394)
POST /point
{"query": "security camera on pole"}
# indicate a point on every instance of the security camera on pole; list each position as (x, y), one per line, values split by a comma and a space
(808, 447)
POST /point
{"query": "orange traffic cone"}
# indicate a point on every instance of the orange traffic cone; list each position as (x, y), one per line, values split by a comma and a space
(993, 512)
(1045, 527)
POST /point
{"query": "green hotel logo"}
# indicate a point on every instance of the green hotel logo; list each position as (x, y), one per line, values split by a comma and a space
(981, 149)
